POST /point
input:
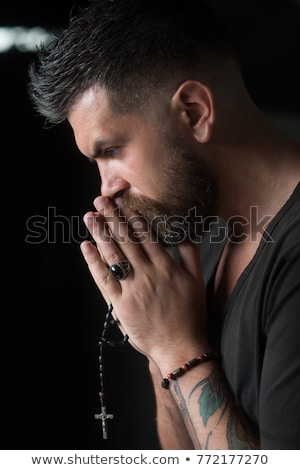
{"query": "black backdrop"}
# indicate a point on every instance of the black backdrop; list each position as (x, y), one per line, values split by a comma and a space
(51, 311)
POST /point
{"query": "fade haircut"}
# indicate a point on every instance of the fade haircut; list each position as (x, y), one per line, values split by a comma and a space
(133, 49)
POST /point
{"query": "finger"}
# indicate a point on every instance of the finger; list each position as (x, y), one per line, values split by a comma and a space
(120, 223)
(110, 251)
(92, 221)
(189, 255)
(112, 256)
(99, 270)
(131, 230)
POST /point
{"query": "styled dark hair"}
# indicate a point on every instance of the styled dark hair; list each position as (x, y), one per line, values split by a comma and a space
(132, 48)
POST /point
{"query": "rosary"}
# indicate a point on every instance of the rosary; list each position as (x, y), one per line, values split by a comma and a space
(104, 341)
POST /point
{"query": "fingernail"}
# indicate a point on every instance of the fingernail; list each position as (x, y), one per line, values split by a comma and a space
(100, 201)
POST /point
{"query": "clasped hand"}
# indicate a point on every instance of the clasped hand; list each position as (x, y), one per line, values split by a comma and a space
(160, 305)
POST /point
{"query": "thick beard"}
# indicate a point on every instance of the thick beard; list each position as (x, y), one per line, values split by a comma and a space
(187, 196)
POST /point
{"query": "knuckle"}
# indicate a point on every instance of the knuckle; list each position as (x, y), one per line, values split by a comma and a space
(104, 278)
(114, 258)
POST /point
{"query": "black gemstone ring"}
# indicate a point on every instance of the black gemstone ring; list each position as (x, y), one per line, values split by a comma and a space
(120, 270)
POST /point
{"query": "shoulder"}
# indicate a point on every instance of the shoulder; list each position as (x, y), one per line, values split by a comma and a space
(285, 231)
(282, 263)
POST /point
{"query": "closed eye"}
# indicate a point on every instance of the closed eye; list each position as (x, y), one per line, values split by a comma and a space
(111, 152)
(104, 149)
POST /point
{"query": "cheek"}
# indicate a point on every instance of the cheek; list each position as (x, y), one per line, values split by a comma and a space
(144, 173)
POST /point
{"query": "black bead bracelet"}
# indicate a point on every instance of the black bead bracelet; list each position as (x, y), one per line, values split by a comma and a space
(165, 383)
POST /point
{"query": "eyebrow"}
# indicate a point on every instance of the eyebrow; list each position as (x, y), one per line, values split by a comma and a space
(98, 147)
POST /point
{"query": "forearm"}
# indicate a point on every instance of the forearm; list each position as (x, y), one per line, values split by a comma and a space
(207, 409)
(163, 300)
(171, 428)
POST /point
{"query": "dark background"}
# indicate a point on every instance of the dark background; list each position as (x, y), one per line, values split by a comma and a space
(52, 311)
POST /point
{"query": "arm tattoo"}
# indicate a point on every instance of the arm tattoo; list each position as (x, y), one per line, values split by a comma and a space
(215, 395)
(241, 432)
(187, 418)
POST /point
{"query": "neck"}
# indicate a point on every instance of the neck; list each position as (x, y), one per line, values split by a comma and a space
(260, 168)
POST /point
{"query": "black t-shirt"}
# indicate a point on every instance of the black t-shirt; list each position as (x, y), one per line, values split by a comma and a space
(258, 328)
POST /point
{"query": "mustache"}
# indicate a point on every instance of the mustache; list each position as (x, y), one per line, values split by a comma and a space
(150, 208)
(145, 205)
(156, 214)
(171, 225)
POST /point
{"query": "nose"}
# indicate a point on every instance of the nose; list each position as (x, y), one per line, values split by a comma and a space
(111, 183)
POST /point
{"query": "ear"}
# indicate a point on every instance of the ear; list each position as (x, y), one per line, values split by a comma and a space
(193, 104)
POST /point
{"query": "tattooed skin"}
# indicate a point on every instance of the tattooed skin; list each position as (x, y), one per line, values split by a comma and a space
(212, 396)
(187, 418)
(214, 400)
(241, 432)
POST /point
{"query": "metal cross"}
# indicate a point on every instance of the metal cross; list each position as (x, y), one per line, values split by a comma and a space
(104, 417)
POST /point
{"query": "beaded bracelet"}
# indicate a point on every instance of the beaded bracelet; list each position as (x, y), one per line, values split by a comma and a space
(165, 383)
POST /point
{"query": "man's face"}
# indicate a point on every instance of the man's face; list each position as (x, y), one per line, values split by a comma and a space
(145, 165)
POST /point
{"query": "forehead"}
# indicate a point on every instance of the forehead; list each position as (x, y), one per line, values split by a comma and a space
(90, 115)
(93, 100)
(93, 120)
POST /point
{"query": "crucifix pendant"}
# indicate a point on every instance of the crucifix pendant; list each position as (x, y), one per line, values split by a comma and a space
(104, 417)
